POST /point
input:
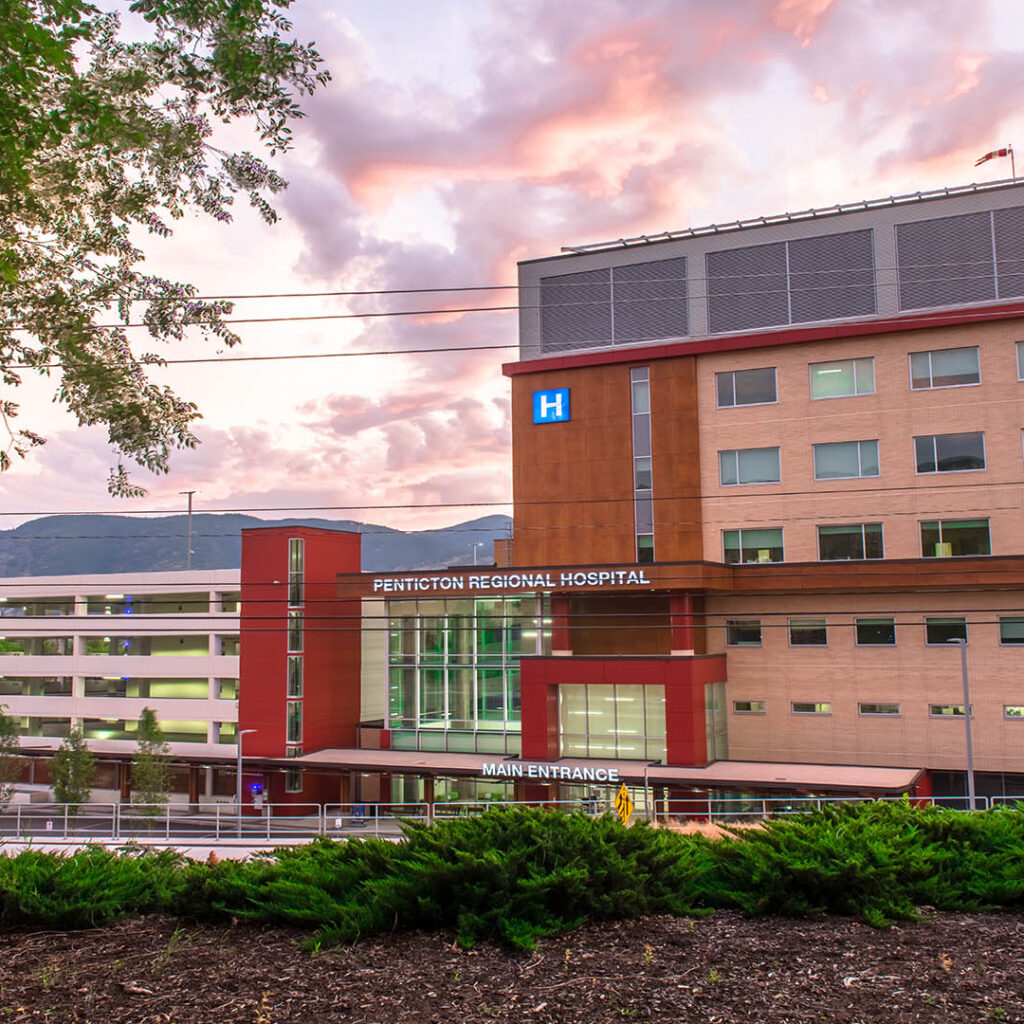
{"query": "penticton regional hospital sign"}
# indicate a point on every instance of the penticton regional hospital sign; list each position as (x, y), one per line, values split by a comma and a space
(482, 581)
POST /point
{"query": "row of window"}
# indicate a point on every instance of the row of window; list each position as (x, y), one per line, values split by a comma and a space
(193, 645)
(869, 632)
(850, 460)
(868, 709)
(122, 604)
(851, 378)
(940, 538)
(117, 686)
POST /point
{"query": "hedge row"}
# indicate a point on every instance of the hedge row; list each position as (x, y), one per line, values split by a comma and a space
(516, 874)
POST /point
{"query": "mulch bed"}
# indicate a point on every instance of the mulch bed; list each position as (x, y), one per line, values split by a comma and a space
(952, 967)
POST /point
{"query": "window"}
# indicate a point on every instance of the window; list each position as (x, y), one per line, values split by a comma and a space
(763, 545)
(749, 466)
(878, 709)
(643, 495)
(296, 566)
(294, 734)
(748, 707)
(876, 632)
(842, 543)
(808, 633)
(746, 387)
(948, 710)
(1020, 360)
(743, 633)
(947, 368)
(295, 631)
(843, 378)
(642, 473)
(802, 707)
(942, 630)
(955, 538)
(845, 460)
(1011, 629)
(950, 453)
(1013, 711)
(294, 676)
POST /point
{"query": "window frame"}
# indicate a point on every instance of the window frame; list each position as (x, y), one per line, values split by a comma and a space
(730, 623)
(1020, 360)
(739, 536)
(931, 375)
(949, 619)
(737, 710)
(861, 713)
(861, 475)
(857, 642)
(836, 362)
(1010, 618)
(864, 556)
(1017, 716)
(939, 523)
(935, 453)
(813, 703)
(749, 369)
(737, 452)
(953, 715)
(804, 622)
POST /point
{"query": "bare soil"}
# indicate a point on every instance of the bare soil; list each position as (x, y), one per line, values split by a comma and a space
(949, 968)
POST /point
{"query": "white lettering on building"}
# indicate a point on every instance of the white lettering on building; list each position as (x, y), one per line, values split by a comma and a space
(511, 581)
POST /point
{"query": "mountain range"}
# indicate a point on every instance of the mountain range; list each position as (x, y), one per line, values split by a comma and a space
(76, 544)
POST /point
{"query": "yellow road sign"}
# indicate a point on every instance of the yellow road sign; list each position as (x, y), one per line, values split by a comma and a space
(624, 804)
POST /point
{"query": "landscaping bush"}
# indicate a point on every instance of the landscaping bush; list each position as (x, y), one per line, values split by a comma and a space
(516, 874)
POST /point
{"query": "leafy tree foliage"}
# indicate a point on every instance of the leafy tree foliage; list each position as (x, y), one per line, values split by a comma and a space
(106, 138)
(10, 761)
(73, 770)
(150, 773)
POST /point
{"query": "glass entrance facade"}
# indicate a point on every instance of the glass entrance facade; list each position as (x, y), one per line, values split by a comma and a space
(453, 670)
(612, 721)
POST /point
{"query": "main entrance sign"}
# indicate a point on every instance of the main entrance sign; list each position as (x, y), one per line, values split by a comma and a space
(555, 772)
(511, 581)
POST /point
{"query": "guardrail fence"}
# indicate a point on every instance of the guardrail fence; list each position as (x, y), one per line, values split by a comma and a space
(280, 823)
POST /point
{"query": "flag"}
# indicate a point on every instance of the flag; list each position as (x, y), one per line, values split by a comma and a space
(991, 156)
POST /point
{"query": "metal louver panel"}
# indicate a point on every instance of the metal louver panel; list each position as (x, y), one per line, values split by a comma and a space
(575, 310)
(650, 300)
(945, 261)
(1009, 232)
(831, 277)
(747, 288)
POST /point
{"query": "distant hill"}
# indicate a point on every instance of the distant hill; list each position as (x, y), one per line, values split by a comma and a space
(70, 545)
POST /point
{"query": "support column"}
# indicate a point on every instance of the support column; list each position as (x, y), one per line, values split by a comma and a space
(428, 794)
(681, 613)
(124, 780)
(345, 789)
(561, 610)
(194, 772)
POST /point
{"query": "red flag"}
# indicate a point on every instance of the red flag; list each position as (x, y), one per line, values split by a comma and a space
(991, 156)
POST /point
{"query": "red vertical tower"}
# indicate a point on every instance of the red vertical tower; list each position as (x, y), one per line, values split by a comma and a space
(309, 626)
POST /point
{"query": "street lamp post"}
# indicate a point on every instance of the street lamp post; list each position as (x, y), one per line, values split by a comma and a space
(188, 542)
(238, 776)
(962, 641)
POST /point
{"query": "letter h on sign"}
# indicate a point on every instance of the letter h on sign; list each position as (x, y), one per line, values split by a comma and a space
(551, 406)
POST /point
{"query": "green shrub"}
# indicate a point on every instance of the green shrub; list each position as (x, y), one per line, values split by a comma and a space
(516, 874)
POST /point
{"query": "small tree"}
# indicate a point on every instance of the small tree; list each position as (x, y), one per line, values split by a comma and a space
(10, 761)
(73, 769)
(150, 776)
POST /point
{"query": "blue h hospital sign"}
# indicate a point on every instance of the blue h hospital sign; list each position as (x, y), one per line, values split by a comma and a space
(551, 406)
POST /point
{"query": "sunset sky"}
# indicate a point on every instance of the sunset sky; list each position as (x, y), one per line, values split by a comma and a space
(459, 136)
